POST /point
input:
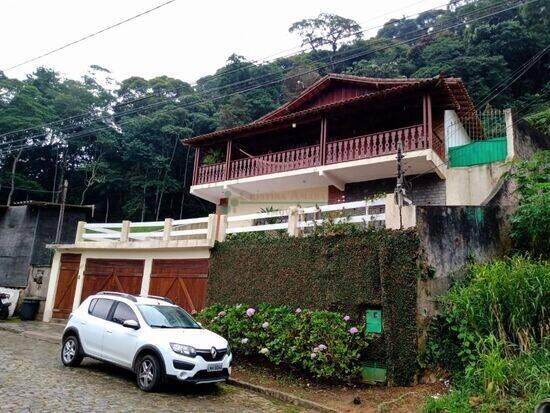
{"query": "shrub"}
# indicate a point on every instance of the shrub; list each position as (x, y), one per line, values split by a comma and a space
(496, 323)
(531, 221)
(320, 343)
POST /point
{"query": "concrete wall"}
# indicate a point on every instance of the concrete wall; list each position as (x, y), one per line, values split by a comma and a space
(473, 185)
(455, 134)
(450, 238)
(24, 232)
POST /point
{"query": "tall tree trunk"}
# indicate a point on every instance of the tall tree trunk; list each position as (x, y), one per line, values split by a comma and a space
(143, 206)
(107, 210)
(184, 181)
(164, 178)
(13, 168)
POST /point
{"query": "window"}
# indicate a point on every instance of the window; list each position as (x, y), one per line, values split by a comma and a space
(101, 308)
(122, 313)
(167, 316)
(92, 304)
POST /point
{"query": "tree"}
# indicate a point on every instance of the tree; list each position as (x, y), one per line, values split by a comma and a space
(326, 29)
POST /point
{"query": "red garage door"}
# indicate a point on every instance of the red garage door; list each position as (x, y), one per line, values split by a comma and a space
(112, 275)
(66, 285)
(183, 281)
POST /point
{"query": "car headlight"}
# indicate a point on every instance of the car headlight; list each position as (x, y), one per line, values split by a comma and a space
(183, 349)
(228, 349)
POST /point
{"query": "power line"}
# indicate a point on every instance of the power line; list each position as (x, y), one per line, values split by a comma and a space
(84, 133)
(120, 23)
(222, 73)
(475, 11)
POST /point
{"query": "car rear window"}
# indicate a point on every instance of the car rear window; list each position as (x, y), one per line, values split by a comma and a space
(101, 307)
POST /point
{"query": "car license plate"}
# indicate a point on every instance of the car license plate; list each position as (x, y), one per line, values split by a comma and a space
(214, 367)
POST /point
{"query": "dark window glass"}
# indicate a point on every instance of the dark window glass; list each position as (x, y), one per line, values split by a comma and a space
(102, 307)
(92, 304)
(122, 313)
(167, 316)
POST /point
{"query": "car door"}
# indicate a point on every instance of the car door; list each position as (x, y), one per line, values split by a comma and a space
(92, 326)
(120, 343)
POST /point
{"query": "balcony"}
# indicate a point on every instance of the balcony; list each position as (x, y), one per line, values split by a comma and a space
(339, 159)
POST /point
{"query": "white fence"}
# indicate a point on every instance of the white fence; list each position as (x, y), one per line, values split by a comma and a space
(294, 220)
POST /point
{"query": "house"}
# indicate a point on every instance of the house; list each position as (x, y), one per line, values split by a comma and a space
(332, 149)
(337, 142)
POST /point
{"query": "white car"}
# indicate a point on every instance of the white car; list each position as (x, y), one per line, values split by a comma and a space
(149, 335)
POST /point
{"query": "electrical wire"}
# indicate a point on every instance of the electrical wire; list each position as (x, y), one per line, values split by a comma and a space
(162, 101)
(84, 133)
(120, 23)
(222, 73)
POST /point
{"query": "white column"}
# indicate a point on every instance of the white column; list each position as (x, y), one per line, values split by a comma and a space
(52, 286)
(79, 282)
(167, 229)
(222, 228)
(146, 279)
(293, 228)
(80, 230)
(212, 229)
(509, 122)
(125, 231)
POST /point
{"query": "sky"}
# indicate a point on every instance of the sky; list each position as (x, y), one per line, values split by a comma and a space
(184, 40)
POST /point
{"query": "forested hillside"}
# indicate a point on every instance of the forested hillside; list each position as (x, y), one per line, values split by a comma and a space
(118, 144)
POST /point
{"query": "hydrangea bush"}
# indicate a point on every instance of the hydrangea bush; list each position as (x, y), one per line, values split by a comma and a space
(325, 344)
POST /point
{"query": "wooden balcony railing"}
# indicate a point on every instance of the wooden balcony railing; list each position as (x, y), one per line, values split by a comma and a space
(344, 150)
(376, 144)
(276, 162)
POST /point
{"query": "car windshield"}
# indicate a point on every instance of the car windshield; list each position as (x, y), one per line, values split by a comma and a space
(167, 316)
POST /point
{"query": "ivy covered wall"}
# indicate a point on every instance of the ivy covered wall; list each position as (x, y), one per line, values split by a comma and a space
(347, 273)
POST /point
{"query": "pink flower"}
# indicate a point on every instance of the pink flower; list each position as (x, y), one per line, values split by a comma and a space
(347, 318)
(250, 312)
(298, 310)
(221, 313)
(353, 330)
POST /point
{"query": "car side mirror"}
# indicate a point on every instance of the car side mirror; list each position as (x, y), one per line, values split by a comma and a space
(133, 324)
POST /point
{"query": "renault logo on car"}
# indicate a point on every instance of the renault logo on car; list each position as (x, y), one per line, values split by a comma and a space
(214, 352)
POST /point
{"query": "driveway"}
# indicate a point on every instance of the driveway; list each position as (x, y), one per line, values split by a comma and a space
(33, 379)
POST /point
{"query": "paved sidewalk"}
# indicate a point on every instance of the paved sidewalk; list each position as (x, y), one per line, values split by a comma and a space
(50, 332)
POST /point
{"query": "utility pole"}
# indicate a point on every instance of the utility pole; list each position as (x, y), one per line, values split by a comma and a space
(61, 212)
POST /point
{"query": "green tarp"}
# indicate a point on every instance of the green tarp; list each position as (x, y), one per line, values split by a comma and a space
(478, 153)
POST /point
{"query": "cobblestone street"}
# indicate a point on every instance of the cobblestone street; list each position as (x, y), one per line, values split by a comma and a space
(32, 378)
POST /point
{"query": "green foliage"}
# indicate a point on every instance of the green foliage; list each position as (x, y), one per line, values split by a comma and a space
(493, 334)
(315, 342)
(531, 221)
(344, 272)
(540, 120)
(212, 156)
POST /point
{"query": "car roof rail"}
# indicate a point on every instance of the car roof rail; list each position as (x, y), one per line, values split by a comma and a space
(158, 297)
(119, 294)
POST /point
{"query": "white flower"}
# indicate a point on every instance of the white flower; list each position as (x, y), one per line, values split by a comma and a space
(313, 355)
(221, 313)
(322, 347)
(265, 325)
(264, 351)
(316, 350)
(244, 341)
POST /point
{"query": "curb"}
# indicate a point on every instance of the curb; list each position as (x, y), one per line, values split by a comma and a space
(285, 397)
(276, 394)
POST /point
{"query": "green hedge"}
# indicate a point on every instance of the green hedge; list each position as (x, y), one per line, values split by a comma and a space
(346, 273)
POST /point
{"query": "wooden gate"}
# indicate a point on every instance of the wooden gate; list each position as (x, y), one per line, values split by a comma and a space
(183, 281)
(66, 285)
(112, 275)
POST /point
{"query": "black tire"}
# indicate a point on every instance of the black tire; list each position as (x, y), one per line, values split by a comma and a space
(149, 374)
(71, 352)
(4, 312)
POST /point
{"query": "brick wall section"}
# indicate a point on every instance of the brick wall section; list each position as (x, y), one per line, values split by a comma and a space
(426, 189)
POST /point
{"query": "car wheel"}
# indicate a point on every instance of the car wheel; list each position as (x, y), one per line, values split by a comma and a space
(71, 355)
(149, 373)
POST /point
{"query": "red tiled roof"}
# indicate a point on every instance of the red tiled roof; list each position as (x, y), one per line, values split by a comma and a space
(453, 87)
